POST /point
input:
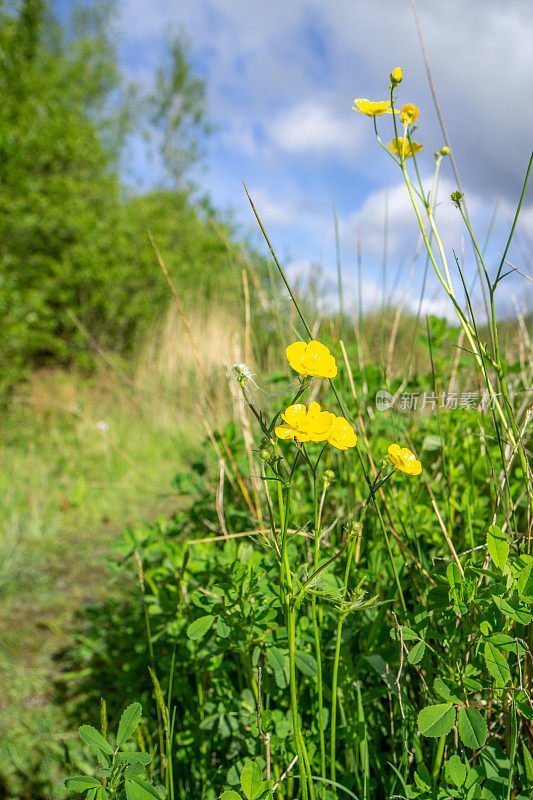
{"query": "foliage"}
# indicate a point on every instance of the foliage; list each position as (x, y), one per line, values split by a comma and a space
(122, 772)
(76, 264)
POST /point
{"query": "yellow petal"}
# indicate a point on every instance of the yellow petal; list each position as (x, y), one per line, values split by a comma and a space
(295, 353)
(284, 432)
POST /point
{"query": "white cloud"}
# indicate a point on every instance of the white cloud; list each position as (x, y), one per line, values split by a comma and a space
(311, 127)
(391, 209)
(282, 76)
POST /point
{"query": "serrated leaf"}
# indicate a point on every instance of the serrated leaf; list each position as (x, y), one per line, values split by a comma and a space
(223, 629)
(496, 664)
(199, 627)
(251, 779)
(131, 716)
(306, 663)
(448, 690)
(454, 575)
(416, 653)
(407, 634)
(279, 662)
(436, 720)
(103, 759)
(512, 610)
(94, 739)
(525, 581)
(498, 546)
(134, 770)
(134, 757)
(137, 789)
(81, 782)
(472, 727)
(456, 771)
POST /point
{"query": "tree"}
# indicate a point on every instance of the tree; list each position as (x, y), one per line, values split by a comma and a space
(178, 110)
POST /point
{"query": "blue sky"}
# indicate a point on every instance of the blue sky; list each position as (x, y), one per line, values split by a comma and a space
(281, 79)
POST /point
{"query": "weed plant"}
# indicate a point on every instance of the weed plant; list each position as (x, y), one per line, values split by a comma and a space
(348, 612)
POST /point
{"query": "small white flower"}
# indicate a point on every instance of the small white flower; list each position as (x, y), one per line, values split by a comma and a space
(102, 425)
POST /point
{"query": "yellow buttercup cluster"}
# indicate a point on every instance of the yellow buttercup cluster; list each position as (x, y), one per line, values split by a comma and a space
(404, 460)
(312, 359)
(372, 108)
(311, 424)
(403, 147)
(314, 425)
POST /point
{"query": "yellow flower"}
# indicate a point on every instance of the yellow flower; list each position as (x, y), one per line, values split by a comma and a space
(409, 113)
(372, 109)
(404, 459)
(311, 359)
(342, 434)
(396, 76)
(306, 425)
(401, 146)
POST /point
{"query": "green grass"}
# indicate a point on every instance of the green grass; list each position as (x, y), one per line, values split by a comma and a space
(69, 488)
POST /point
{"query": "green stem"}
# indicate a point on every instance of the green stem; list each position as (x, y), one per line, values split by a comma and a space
(438, 761)
(334, 679)
(290, 621)
(318, 653)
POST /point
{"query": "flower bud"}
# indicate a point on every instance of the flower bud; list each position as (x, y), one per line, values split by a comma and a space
(456, 198)
(396, 76)
(329, 474)
(445, 151)
(265, 455)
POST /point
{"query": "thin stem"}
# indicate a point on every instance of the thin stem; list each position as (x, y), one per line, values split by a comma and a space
(318, 652)
(278, 265)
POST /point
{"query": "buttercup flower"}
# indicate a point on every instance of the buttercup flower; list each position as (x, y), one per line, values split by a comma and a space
(372, 109)
(409, 113)
(312, 359)
(342, 434)
(396, 76)
(306, 425)
(401, 146)
(404, 459)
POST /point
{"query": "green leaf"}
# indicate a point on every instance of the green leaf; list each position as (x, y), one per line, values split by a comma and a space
(455, 771)
(102, 793)
(223, 629)
(496, 664)
(498, 546)
(94, 739)
(81, 782)
(436, 720)
(279, 661)
(525, 581)
(129, 720)
(407, 634)
(251, 779)
(138, 789)
(306, 663)
(134, 758)
(453, 573)
(229, 794)
(416, 653)
(512, 610)
(528, 763)
(200, 626)
(472, 727)
(448, 690)
(134, 770)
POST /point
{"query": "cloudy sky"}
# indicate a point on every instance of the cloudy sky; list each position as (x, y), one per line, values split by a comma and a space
(281, 79)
